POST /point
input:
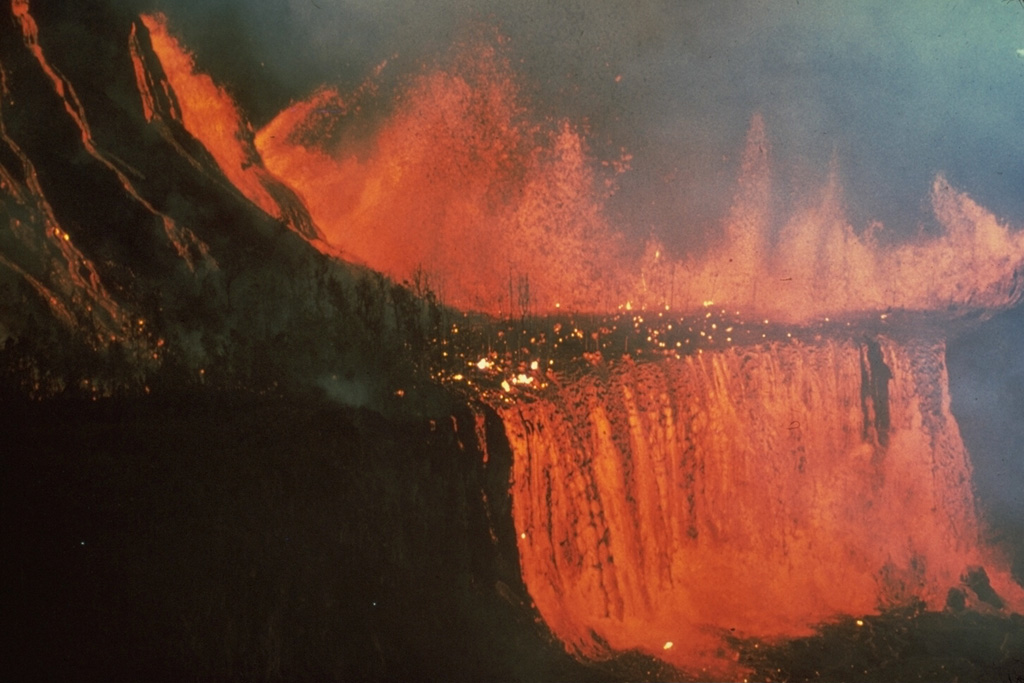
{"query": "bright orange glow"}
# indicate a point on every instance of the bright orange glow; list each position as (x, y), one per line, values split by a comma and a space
(500, 210)
(818, 265)
(748, 491)
(210, 114)
(505, 213)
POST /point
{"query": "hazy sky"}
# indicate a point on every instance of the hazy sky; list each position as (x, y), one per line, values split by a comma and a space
(898, 90)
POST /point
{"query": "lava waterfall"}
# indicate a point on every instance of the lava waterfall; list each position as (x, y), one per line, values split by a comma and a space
(745, 492)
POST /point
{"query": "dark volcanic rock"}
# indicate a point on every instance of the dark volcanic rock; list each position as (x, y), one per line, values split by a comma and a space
(122, 238)
(218, 540)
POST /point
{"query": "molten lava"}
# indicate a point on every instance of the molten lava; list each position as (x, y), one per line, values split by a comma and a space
(500, 211)
(207, 111)
(210, 114)
(748, 492)
(459, 185)
(507, 214)
(813, 263)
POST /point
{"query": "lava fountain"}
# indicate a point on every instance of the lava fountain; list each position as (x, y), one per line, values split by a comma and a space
(501, 209)
(506, 211)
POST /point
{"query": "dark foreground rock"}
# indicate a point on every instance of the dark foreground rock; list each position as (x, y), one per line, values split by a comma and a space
(270, 541)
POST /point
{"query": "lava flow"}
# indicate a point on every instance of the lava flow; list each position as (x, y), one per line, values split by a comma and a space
(212, 116)
(753, 491)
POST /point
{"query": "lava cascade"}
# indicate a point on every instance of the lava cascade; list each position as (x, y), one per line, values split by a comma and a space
(748, 492)
(211, 115)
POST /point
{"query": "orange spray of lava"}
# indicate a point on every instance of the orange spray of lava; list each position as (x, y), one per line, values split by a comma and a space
(505, 211)
(502, 211)
(463, 181)
(813, 263)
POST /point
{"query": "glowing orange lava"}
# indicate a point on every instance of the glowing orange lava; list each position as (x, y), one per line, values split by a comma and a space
(459, 183)
(813, 263)
(507, 214)
(499, 211)
(748, 492)
(207, 111)
(210, 114)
